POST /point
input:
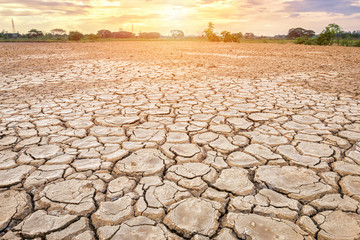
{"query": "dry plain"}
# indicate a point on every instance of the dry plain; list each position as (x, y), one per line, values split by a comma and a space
(179, 140)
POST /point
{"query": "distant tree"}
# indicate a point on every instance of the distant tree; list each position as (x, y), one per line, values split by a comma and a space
(58, 32)
(280, 36)
(249, 35)
(356, 34)
(104, 33)
(177, 34)
(48, 35)
(75, 36)
(238, 35)
(328, 35)
(210, 35)
(34, 33)
(300, 32)
(226, 36)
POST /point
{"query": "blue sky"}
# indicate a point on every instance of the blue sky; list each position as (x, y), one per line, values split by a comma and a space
(262, 17)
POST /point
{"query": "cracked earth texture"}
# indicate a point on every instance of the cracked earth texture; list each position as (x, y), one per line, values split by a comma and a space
(179, 140)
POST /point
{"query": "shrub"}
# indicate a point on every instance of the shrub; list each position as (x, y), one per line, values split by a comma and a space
(75, 36)
(210, 35)
(226, 36)
(357, 43)
(301, 40)
(92, 36)
(345, 42)
(236, 37)
(305, 40)
(328, 36)
(311, 41)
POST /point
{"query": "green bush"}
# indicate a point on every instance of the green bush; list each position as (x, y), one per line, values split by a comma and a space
(328, 36)
(311, 41)
(305, 40)
(301, 40)
(345, 42)
(75, 36)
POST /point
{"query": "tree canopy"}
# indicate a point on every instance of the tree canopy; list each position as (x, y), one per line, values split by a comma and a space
(104, 33)
(35, 33)
(328, 35)
(300, 32)
(58, 32)
(75, 36)
(209, 33)
(177, 33)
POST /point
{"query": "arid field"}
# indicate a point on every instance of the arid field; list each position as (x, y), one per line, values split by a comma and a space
(179, 140)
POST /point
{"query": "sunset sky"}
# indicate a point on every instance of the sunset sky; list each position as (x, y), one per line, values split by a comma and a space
(262, 17)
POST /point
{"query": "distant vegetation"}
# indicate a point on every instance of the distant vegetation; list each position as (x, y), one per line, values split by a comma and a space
(150, 35)
(61, 35)
(75, 36)
(227, 36)
(332, 34)
(300, 32)
(108, 34)
(177, 34)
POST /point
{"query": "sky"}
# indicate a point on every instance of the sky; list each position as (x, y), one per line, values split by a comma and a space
(262, 17)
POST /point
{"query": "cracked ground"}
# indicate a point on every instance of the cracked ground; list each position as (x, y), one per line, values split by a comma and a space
(179, 140)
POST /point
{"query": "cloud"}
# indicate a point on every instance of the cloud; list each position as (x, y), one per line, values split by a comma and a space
(346, 7)
(44, 7)
(266, 17)
(128, 18)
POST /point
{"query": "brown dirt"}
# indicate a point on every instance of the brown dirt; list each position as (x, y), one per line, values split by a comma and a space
(242, 60)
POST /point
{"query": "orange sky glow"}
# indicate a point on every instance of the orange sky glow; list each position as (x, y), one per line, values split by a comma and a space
(262, 17)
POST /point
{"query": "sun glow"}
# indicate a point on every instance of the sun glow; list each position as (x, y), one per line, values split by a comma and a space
(191, 16)
(174, 14)
(105, 3)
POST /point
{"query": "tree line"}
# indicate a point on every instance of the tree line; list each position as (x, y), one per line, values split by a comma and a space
(60, 34)
(225, 36)
(332, 34)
